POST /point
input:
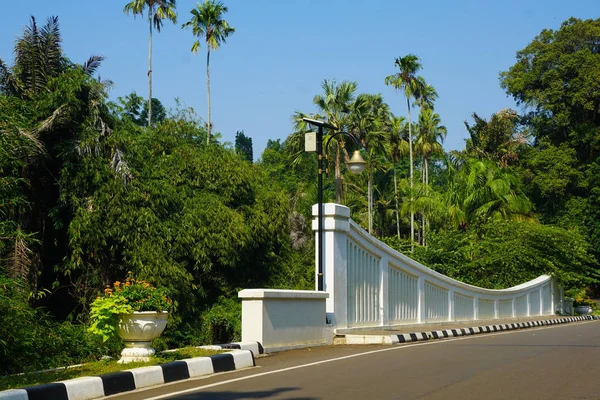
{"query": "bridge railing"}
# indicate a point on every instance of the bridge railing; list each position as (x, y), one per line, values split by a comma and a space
(370, 284)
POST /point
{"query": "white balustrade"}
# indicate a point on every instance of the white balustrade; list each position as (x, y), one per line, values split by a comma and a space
(463, 307)
(370, 284)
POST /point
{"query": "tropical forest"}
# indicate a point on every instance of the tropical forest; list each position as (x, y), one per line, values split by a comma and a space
(94, 188)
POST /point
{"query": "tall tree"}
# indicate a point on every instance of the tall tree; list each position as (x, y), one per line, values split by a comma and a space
(38, 58)
(430, 136)
(427, 96)
(207, 23)
(54, 111)
(158, 10)
(398, 147)
(498, 139)
(557, 78)
(243, 146)
(335, 104)
(367, 121)
(406, 79)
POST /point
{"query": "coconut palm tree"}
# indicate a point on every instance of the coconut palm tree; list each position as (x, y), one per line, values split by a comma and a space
(158, 10)
(207, 23)
(406, 80)
(430, 136)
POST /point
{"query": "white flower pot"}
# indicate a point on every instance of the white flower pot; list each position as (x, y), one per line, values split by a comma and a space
(138, 330)
(583, 310)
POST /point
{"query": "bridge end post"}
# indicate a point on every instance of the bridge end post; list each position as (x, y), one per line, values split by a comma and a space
(336, 224)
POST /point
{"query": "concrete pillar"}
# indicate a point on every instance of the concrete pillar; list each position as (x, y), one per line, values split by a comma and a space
(336, 224)
(421, 305)
(384, 316)
(451, 304)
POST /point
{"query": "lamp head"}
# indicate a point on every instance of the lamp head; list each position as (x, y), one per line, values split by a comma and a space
(356, 164)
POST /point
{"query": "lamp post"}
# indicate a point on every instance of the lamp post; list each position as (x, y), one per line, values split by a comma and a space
(356, 164)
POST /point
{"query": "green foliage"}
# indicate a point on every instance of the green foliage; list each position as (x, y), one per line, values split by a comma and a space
(581, 297)
(558, 77)
(125, 298)
(30, 340)
(479, 191)
(222, 323)
(104, 314)
(504, 254)
(243, 146)
(498, 139)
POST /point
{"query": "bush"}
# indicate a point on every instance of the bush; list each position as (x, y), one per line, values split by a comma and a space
(31, 340)
(223, 322)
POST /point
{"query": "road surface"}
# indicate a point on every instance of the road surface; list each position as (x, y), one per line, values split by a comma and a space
(557, 362)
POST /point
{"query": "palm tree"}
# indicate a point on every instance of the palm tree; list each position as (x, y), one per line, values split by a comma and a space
(398, 147)
(429, 138)
(335, 104)
(427, 95)
(407, 81)
(38, 58)
(367, 121)
(207, 22)
(157, 11)
(481, 191)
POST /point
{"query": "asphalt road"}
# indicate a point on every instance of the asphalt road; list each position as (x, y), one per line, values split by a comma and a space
(558, 362)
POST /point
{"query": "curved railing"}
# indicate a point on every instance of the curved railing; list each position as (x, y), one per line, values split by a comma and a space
(371, 284)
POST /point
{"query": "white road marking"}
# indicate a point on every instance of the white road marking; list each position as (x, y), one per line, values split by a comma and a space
(399, 346)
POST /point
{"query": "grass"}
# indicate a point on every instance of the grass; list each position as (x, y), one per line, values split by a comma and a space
(96, 368)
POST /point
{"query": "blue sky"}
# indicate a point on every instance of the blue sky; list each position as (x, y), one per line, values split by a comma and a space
(283, 49)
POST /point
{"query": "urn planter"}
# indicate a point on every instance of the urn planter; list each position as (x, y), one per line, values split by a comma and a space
(583, 310)
(138, 330)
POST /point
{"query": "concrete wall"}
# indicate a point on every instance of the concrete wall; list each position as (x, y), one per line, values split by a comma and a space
(283, 319)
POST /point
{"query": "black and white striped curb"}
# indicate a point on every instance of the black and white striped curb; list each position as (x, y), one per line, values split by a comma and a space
(447, 333)
(455, 332)
(255, 347)
(94, 387)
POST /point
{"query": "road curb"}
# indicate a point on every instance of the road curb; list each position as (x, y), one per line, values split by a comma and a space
(255, 347)
(456, 332)
(95, 387)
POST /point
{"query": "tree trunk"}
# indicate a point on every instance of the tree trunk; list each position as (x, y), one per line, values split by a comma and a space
(208, 94)
(150, 69)
(370, 199)
(396, 199)
(410, 152)
(426, 179)
(339, 190)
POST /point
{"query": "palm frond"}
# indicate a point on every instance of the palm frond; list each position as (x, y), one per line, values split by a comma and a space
(92, 64)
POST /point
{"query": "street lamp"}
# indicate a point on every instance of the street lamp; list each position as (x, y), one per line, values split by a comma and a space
(356, 164)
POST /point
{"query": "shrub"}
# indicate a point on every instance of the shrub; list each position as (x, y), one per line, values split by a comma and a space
(124, 298)
(31, 340)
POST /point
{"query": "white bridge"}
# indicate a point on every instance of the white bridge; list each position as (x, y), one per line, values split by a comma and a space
(368, 284)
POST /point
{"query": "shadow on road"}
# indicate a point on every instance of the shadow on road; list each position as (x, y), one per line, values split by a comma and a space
(263, 394)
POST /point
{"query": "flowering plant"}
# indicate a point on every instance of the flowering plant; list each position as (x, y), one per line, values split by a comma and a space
(125, 298)
(582, 298)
